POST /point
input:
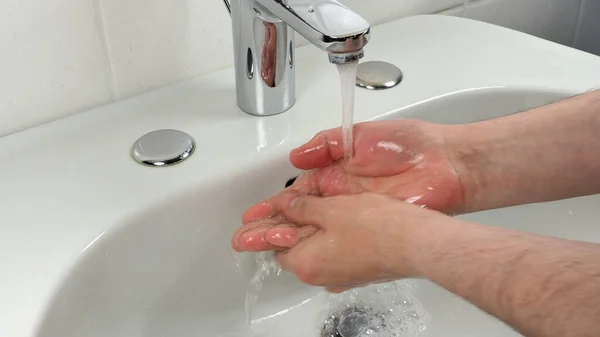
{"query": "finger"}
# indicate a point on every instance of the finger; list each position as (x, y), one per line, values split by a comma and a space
(259, 211)
(251, 240)
(255, 241)
(376, 151)
(336, 290)
(305, 184)
(302, 260)
(305, 210)
(287, 237)
(254, 231)
(321, 151)
(282, 236)
(283, 260)
(266, 215)
(270, 234)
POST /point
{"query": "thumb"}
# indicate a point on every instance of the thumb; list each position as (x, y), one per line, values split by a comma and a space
(305, 210)
(321, 151)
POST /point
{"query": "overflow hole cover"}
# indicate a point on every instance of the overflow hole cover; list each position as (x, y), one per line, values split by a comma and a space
(378, 75)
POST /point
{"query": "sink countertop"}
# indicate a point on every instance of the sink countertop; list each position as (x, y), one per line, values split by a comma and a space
(66, 183)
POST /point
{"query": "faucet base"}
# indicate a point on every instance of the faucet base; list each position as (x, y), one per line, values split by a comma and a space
(267, 113)
(264, 60)
(263, 40)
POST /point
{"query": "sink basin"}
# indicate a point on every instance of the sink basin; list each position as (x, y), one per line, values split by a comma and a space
(94, 244)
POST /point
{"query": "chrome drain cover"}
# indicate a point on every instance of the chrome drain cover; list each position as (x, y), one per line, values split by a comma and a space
(163, 148)
(378, 75)
(353, 322)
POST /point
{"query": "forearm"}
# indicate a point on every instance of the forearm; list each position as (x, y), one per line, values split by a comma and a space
(541, 286)
(545, 154)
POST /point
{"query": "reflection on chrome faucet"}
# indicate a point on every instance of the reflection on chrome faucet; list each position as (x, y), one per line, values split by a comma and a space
(269, 55)
(272, 132)
(263, 40)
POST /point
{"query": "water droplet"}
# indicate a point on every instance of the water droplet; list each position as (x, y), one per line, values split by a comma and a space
(311, 9)
(405, 302)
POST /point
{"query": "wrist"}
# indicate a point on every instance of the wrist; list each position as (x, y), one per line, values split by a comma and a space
(469, 152)
(528, 157)
(429, 240)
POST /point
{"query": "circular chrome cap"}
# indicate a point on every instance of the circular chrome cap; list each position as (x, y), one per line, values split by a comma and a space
(163, 148)
(377, 75)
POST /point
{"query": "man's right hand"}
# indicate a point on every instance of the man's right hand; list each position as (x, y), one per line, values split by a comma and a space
(408, 160)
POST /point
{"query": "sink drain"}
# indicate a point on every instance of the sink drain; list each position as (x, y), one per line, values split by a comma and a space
(354, 322)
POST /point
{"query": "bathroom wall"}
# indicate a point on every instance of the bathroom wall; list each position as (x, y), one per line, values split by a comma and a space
(587, 35)
(63, 56)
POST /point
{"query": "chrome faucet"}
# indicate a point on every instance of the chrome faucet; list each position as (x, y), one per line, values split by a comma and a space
(263, 38)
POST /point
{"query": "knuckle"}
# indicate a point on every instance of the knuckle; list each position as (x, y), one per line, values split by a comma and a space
(311, 204)
(307, 276)
(301, 205)
(307, 273)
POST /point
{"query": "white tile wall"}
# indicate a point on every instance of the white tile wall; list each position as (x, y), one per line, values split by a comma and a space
(152, 43)
(379, 11)
(554, 20)
(587, 36)
(51, 61)
(63, 56)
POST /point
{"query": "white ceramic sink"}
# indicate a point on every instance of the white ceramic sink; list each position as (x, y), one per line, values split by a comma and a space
(94, 244)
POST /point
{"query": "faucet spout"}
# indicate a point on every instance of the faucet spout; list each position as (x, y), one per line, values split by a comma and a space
(263, 38)
(327, 24)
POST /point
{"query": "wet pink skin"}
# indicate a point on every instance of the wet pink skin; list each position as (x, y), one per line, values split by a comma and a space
(405, 159)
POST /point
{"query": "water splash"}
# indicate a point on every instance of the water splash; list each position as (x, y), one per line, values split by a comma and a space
(262, 265)
(391, 308)
(383, 310)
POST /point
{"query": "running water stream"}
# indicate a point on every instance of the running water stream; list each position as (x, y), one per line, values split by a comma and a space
(348, 85)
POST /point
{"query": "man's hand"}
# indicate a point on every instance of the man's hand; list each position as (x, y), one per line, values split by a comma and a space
(407, 160)
(360, 239)
(539, 285)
